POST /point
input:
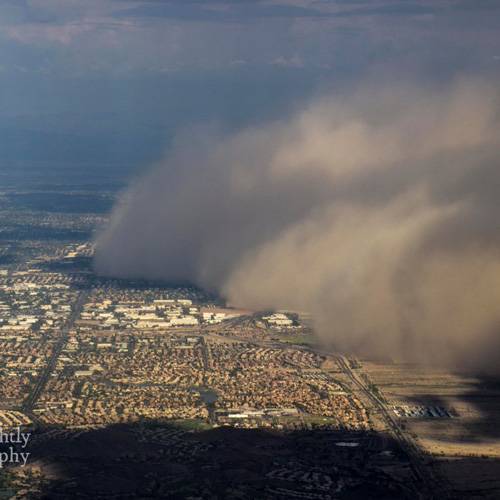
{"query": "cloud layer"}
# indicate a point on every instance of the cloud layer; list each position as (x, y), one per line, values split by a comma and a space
(375, 210)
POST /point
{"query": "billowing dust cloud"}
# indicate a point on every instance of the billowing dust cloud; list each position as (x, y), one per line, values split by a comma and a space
(376, 210)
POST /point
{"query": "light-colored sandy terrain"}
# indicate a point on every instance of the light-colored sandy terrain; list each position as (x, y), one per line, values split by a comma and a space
(467, 446)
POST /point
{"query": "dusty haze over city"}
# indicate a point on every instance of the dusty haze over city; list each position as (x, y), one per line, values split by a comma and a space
(250, 249)
(373, 208)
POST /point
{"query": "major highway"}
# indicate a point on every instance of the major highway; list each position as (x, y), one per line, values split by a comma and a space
(31, 400)
(430, 485)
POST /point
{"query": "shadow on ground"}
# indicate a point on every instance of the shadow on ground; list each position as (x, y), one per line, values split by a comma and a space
(161, 460)
(483, 395)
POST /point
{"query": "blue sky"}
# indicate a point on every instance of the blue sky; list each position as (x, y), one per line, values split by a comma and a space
(111, 80)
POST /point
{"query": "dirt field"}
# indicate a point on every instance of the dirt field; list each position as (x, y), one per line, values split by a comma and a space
(467, 446)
